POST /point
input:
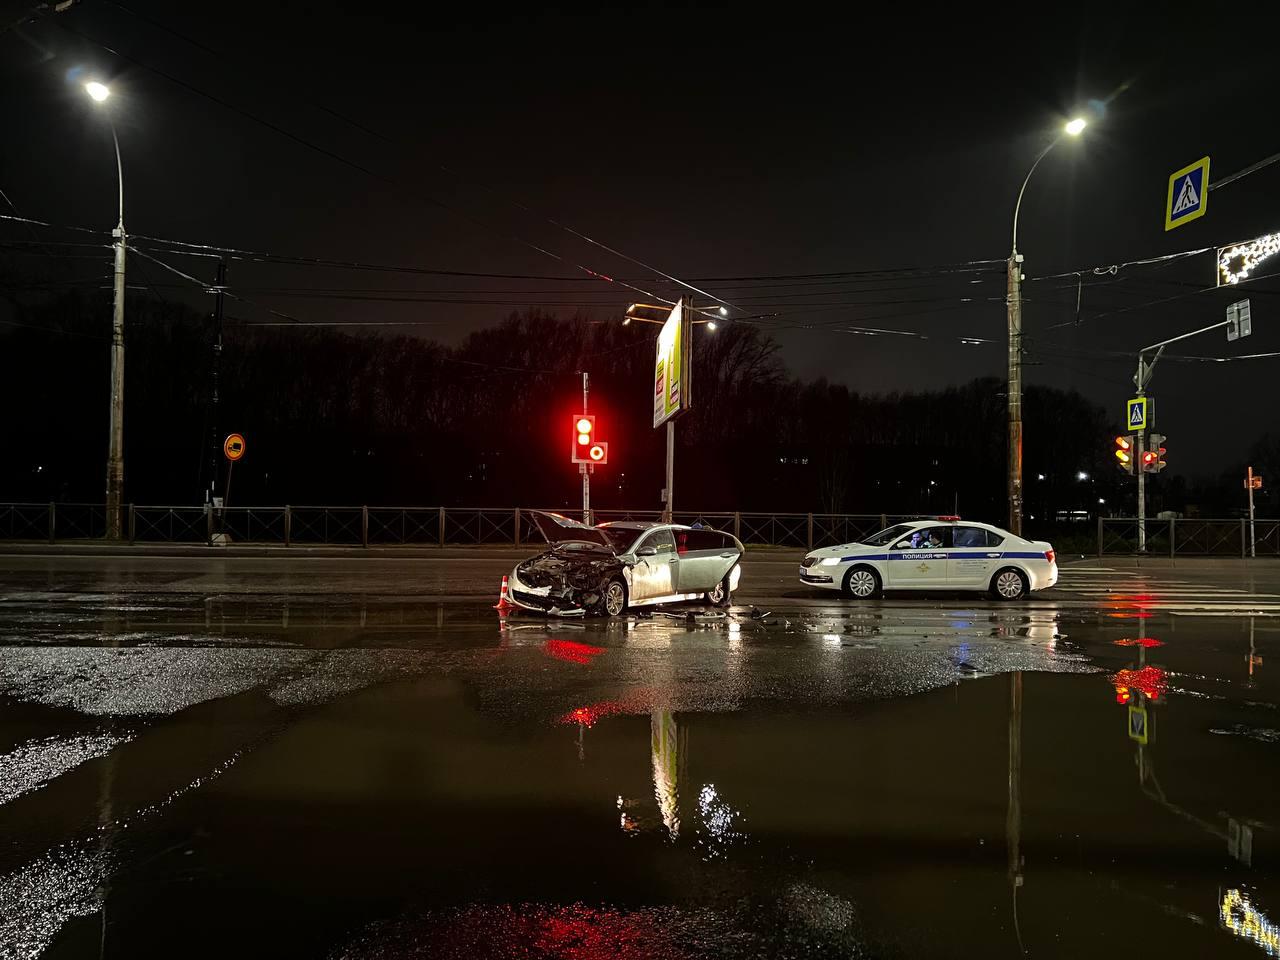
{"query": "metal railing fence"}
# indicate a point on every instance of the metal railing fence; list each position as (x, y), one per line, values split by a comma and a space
(514, 526)
(396, 526)
(1189, 537)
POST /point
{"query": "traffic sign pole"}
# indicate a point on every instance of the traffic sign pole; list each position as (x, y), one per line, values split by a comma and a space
(586, 476)
(1253, 547)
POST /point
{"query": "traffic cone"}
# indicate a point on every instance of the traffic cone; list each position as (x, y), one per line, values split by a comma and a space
(504, 604)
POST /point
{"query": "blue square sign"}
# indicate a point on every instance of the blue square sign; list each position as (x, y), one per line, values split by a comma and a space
(1188, 194)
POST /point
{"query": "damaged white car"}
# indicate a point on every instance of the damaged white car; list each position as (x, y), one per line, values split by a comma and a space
(606, 568)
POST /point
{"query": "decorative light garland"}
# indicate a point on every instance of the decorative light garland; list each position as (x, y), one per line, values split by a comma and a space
(1250, 254)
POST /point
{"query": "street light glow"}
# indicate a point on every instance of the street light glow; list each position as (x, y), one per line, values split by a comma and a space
(99, 91)
(724, 312)
(1082, 475)
(711, 324)
(1074, 127)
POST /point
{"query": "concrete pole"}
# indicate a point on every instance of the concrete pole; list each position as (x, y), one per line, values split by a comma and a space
(115, 444)
(1014, 300)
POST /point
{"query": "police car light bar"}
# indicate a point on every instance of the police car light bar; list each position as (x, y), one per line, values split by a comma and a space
(947, 518)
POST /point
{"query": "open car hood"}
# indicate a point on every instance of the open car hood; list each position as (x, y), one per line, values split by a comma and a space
(560, 529)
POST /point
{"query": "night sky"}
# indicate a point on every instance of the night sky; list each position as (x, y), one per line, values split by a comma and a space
(708, 143)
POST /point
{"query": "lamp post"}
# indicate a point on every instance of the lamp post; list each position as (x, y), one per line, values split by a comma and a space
(99, 92)
(1014, 301)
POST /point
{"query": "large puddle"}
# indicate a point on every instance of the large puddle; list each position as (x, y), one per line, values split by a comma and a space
(891, 783)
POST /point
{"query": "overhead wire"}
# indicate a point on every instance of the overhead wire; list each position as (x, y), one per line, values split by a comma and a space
(390, 181)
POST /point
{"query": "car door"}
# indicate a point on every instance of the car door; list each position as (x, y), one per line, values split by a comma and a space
(915, 563)
(705, 557)
(654, 576)
(975, 552)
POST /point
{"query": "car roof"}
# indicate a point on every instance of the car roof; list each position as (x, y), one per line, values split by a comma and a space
(934, 521)
(642, 525)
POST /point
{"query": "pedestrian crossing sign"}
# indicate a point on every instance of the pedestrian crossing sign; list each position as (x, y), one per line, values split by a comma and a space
(1188, 194)
(1137, 723)
(1136, 413)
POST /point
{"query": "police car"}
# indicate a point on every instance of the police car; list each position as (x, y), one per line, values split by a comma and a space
(944, 553)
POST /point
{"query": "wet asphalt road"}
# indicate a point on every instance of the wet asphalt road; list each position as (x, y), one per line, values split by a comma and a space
(358, 758)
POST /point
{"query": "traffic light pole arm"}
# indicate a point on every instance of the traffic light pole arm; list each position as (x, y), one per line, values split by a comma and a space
(1145, 368)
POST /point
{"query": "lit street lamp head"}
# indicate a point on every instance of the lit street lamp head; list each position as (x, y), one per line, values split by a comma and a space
(99, 91)
(1074, 127)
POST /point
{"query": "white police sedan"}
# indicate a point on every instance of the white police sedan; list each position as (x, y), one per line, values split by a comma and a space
(940, 554)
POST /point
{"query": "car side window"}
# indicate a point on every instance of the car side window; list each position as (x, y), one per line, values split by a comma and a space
(970, 537)
(699, 540)
(994, 539)
(930, 538)
(660, 540)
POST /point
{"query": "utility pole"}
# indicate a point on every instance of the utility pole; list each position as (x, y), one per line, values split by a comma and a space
(586, 473)
(1014, 298)
(215, 444)
(115, 443)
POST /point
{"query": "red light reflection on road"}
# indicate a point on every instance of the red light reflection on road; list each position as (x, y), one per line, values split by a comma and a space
(571, 651)
(1130, 615)
(1151, 681)
(1147, 642)
(588, 715)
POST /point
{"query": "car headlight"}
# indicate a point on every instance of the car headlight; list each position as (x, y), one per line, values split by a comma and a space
(829, 561)
(809, 561)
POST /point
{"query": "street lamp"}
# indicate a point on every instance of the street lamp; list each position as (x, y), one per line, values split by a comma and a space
(1072, 128)
(99, 93)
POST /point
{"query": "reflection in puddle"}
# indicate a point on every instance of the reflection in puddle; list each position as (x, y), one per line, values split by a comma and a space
(1242, 918)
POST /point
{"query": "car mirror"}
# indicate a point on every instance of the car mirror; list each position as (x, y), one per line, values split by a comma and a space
(647, 552)
(903, 545)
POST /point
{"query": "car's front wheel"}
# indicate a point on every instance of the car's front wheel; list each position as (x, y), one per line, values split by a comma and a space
(861, 583)
(614, 601)
(1009, 584)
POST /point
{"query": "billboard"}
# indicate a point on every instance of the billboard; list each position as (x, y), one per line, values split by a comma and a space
(670, 376)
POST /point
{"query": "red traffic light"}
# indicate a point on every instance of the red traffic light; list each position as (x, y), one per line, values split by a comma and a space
(1150, 457)
(584, 448)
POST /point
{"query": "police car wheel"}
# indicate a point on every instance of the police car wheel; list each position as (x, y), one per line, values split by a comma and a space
(861, 583)
(1009, 584)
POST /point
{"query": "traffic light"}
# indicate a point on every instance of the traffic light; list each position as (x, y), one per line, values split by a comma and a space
(1124, 454)
(1155, 456)
(584, 448)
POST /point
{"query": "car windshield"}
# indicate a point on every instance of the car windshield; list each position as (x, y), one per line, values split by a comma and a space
(620, 538)
(888, 535)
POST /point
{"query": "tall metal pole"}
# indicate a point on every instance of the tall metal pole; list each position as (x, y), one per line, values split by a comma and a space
(671, 470)
(586, 473)
(215, 445)
(115, 444)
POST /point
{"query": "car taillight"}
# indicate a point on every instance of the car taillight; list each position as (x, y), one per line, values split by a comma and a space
(1048, 555)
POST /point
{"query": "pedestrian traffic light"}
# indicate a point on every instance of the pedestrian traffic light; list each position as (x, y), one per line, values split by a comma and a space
(1158, 451)
(584, 448)
(1124, 454)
